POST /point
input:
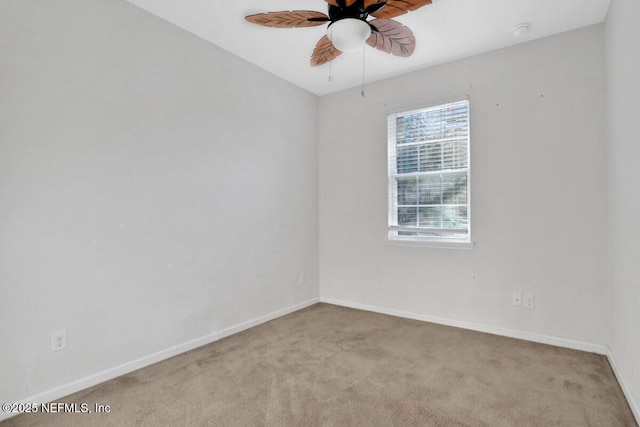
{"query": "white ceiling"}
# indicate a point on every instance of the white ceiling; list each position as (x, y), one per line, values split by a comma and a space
(445, 30)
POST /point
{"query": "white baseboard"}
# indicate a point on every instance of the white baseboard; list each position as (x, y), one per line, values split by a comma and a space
(511, 333)
(125, 368)
(623, 385)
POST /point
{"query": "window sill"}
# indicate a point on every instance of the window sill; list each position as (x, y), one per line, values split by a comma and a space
(436, 244)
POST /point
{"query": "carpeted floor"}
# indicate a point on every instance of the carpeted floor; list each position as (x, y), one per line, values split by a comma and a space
(334, 366)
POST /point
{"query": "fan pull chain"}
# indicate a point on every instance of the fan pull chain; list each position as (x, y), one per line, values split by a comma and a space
(363, 62)
(330, 62)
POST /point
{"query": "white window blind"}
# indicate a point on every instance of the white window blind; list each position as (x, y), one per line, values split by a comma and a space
(429, 171)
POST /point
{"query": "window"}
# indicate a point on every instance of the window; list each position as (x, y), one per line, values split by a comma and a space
(429, 175)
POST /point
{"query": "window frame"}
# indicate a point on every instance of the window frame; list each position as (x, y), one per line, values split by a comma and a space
(392, 236)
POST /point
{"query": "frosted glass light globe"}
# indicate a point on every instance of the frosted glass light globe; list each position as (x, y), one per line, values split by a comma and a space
(348, 34)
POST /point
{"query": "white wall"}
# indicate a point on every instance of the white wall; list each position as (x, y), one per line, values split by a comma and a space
(154, 190)
(623, 105)
(538, 193)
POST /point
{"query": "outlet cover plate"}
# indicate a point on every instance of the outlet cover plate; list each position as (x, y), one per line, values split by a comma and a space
(58, 340)
(529, 301)
(516, 299)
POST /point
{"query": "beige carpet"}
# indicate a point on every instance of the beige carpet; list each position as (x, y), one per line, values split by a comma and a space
(334, 366)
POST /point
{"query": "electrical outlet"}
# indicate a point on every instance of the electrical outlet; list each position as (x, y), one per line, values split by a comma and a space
(529, 301)
(517, 299)
(302, 278)
(58, 340)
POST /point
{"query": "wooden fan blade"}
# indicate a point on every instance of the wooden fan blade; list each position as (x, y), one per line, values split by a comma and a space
(395, 8)
(293, 19)
(324, 52)
(372, 6)
(392, 37)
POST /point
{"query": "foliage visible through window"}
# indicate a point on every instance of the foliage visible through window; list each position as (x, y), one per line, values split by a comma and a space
(429, 174)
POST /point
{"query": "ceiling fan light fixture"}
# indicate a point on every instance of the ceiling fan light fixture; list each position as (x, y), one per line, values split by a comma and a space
(349, 27)
(349, 34)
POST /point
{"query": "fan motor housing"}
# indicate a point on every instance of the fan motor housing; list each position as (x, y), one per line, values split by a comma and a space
(356, 10)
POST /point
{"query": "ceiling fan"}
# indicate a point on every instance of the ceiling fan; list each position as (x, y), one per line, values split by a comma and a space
(349, 27)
